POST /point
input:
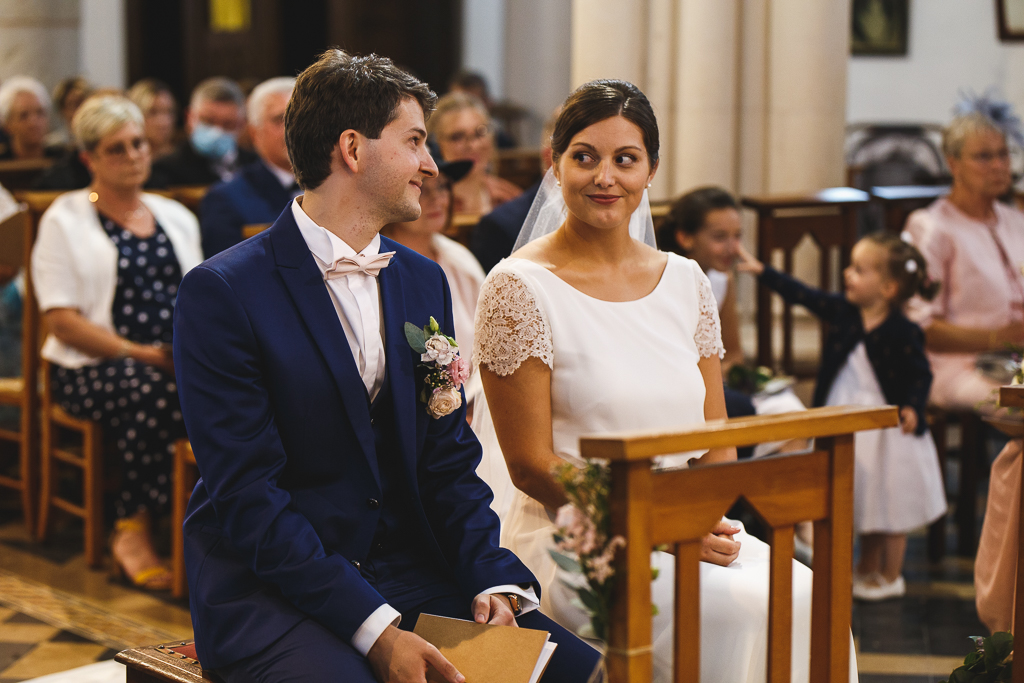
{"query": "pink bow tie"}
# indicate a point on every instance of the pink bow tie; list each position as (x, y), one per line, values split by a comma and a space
(371, 265)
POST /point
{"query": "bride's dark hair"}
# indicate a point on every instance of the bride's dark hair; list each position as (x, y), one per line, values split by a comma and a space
(596, 101)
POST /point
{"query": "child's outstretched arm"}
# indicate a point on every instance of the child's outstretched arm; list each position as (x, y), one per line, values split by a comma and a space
(821, 303)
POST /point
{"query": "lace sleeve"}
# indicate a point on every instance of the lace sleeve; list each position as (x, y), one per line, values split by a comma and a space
(509, 325)
(708, 336)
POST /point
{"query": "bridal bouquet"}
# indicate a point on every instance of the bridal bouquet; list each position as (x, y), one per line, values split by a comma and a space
(991, 661)
(445, 369)
(582, 545)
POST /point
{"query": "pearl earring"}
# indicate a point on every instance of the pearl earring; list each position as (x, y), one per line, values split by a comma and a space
(558, 183)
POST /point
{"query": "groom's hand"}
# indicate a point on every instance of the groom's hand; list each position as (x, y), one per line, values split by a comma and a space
(719, 547)
(493, 609)
(403, 657)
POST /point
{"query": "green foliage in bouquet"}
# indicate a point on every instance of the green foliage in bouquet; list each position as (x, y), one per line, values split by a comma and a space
(748, 380)
(991, 661)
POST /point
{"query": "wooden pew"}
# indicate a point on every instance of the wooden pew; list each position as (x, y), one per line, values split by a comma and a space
(19, 174)
(519, 166)
(680, 507)
(829, 217)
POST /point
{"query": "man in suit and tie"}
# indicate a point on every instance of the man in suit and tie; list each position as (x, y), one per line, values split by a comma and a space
(262, 189)
(333, 509)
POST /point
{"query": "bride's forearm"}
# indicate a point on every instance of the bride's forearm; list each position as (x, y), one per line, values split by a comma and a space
(535, 476)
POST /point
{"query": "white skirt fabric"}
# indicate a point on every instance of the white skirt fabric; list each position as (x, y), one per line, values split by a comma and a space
(897, 483)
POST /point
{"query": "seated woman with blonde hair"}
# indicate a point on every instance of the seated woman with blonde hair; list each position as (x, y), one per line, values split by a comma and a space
(106, 267)
(462, 129)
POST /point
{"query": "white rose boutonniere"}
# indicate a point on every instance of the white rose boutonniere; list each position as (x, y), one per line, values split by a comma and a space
(445, 369)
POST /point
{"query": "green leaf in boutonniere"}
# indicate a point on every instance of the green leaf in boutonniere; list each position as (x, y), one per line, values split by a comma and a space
(415, 338)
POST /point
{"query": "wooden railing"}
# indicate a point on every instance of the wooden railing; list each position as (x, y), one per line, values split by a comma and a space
(680, 507)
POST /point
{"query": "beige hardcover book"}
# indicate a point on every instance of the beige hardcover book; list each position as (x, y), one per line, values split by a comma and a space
(484, 653)
(12, 241)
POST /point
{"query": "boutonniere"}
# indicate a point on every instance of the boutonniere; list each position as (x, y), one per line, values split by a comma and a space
(446, 370)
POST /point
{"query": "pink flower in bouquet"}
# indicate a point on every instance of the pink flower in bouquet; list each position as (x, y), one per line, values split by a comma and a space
(458, 370)
(600, 569)
(572, 523)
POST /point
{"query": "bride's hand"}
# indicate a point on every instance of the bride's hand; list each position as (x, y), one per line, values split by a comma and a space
(719, 547)
(747, 263)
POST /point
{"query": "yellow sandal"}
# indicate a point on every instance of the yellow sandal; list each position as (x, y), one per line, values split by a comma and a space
(156, 578)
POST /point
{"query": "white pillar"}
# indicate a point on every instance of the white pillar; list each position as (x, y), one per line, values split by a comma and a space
(483, 43)
(103, 49)
(39, 38)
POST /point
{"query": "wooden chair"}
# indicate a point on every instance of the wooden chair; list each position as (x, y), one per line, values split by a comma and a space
(19, 174)
(899, 201)
(520, 166)
(461, 228)
(37, 202)
(174, 662)
(972, 460)
(253, 230)
(189, 195)
(829, 217)
(680, 507)
(23, 392)
(88, 458)
(1013, 397)
(186, 473)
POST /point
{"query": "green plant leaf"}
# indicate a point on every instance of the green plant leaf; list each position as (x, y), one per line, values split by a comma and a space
(565, 562)
(415, 338)
(590, 601)
(1000, 645)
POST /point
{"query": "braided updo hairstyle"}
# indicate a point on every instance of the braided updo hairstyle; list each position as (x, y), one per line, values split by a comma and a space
(906, 266)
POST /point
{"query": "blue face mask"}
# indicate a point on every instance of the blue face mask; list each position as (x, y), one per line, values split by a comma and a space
(212, 142)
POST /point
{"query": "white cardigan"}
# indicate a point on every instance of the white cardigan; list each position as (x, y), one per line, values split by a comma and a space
(74, 263)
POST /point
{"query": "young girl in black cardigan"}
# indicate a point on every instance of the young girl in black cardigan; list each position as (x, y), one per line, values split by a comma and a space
(873, 355)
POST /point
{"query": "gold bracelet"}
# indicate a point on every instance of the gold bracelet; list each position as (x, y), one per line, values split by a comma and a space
(126, 349)
(992, 339)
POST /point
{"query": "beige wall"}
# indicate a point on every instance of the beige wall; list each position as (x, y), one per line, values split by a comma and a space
(750, 94)
(39, 38)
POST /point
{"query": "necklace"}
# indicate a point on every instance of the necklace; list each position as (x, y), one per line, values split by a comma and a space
(129, 216)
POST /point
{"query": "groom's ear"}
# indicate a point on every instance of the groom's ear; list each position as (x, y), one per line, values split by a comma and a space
(350, 149)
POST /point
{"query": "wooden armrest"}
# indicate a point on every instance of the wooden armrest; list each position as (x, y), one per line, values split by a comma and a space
(743, 431)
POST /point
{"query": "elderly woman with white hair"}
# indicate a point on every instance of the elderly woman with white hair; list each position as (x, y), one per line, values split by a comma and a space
(106, 268)
(25, 118)
(974, 245)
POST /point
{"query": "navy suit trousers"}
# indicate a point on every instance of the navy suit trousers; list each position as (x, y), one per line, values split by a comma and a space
(309, 653)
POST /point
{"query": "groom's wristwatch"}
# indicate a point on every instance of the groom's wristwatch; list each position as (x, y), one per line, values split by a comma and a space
(513, 602)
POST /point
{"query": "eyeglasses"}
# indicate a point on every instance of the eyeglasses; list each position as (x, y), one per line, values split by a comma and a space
(479, 133)
(122, 150)
(989, 157)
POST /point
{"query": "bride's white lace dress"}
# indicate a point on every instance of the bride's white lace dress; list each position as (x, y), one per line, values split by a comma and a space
(623, 366)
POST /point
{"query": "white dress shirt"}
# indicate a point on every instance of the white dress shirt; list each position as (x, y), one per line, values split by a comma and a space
(356, 298)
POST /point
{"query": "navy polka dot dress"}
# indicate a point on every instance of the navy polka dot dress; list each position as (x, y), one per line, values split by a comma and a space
(136, 403)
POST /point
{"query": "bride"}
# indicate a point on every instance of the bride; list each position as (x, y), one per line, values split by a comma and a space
(587, 328)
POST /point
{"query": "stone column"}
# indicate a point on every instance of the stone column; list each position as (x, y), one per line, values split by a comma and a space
(39, 38)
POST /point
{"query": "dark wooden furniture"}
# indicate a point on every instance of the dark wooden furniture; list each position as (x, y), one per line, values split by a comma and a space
(186, 473)
(1013, 397)
(169, 662)
(86, 457)
(520, 166)
(972, 459)
(254, 229)
(19, 174)
(680, 507)
(23, 392)
(899, 201)
(829, 217)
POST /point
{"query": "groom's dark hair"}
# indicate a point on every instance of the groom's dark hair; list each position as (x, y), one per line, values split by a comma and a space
(342, 92)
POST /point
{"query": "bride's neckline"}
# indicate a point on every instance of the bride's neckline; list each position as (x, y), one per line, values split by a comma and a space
(649, 294)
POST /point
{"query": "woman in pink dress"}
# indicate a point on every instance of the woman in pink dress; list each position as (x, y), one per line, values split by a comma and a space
(974, 245)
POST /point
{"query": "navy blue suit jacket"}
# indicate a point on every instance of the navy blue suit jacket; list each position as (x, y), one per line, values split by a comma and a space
(494, 237)
(279, 420)
(255, 195)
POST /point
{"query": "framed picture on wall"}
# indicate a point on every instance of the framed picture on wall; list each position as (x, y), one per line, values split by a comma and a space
(880, 27)
(1011, 19)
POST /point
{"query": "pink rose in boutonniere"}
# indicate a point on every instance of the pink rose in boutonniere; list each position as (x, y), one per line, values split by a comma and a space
(446, 370)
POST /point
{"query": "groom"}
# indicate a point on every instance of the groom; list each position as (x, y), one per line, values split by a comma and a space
(333, 509)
